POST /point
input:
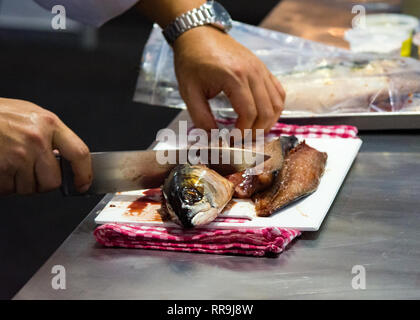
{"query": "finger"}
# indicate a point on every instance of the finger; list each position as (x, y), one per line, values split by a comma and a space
(7, 175)
(276, 99)
(279, 87)
(199, 108)
(25, 179)
(74, 150)
(263, 103)
(240, 96)
(47, 172)
(7, 184)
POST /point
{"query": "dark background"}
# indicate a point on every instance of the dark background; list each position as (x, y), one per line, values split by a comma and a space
(91, 91)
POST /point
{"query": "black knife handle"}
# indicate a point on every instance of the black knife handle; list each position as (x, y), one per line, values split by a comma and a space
(67, 178)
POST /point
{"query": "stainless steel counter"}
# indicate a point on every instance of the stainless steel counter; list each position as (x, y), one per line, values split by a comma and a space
(374, 222)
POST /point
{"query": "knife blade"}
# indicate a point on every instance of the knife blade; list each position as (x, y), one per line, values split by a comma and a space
(120, 171)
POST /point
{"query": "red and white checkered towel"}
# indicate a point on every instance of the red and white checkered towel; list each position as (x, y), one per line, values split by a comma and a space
(252, 242)
(309, 131)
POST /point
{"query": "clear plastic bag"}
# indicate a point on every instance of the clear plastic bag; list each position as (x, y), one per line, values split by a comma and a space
(318, 79)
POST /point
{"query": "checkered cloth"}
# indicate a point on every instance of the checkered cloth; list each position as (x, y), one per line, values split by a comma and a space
(309, 131)
(252, 242)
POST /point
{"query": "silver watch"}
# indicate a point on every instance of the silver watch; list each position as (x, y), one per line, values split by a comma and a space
(210, 13)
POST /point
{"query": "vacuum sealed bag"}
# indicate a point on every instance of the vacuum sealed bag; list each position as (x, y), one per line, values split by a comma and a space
(318, 79)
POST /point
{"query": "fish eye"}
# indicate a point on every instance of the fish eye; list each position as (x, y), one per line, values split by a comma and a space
(191, 195)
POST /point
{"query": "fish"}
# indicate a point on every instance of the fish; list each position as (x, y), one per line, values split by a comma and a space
(299, 176)
(349, 86)
(194, 195)
(247, 182)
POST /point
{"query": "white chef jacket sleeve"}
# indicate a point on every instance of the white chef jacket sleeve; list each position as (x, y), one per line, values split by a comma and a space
(91, 12)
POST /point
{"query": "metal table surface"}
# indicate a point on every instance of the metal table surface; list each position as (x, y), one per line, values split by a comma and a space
(374, 222)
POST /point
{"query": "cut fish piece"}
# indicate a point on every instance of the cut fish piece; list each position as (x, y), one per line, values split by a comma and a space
(247, 183)
(299, 176)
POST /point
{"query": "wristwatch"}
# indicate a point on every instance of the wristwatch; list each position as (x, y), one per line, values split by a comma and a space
(210, 13)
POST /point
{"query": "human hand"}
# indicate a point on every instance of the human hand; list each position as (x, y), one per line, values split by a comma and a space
(207, 62)
(28, 136)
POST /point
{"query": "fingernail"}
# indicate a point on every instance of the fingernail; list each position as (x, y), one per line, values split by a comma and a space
(84, 188)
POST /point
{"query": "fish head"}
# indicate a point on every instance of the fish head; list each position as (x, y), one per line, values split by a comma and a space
(195, 194)
(191, 193)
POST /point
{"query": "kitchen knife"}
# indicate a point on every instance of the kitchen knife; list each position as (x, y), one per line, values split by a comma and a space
(134, 170)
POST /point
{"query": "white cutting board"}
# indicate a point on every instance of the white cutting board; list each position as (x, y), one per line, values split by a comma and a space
(305, 215)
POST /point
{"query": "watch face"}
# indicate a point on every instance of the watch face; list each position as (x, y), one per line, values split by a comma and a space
(222, 17)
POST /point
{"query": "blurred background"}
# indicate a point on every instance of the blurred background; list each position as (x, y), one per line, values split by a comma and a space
(87, 77)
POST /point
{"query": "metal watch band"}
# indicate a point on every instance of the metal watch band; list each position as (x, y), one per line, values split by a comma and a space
(194, 18)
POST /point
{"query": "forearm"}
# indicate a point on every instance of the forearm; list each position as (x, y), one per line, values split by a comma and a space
(164, 12)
